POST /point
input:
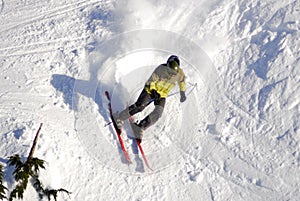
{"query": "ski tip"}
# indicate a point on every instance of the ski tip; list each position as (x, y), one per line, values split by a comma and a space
(107, 95)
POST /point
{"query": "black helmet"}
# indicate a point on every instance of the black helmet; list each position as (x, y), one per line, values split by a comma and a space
(173, 58)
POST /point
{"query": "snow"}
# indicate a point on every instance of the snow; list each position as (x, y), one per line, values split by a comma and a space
(235, 138)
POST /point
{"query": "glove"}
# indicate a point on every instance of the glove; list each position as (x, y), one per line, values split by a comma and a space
(154, 94)
(182, 96)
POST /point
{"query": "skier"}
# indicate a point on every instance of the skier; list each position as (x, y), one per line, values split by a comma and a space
(157, 88)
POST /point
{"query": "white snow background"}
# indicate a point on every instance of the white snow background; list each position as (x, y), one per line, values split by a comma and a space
(235, 138)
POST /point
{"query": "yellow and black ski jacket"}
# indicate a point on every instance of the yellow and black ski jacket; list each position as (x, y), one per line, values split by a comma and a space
(163, 80)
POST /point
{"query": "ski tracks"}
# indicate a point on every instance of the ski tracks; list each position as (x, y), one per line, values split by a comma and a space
(2, 6)
(49, 14)
(42, 47)
(37, 47)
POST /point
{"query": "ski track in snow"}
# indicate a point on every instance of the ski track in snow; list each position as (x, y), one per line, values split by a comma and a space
(57, 11)
(2, 6)
(42, 47)
(50, 49)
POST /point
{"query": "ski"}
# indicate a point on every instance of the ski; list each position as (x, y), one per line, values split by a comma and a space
(139, 145)
(118, 131)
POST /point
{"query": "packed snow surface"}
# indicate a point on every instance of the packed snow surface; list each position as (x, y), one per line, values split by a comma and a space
(236, 137)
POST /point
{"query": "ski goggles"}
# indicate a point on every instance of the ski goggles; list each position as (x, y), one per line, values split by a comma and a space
(174, 65)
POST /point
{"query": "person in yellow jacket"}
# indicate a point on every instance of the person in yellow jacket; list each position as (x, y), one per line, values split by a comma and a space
(156, 89)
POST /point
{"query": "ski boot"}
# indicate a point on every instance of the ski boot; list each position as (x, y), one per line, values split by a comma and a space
(118, 121)
(138, 132)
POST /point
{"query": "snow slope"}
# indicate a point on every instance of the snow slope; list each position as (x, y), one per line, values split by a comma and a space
(235, 138)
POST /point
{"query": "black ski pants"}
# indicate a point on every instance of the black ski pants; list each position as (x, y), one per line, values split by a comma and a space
(143, 101)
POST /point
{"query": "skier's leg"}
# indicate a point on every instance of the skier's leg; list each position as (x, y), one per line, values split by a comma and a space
(138, 106)
(154, 115)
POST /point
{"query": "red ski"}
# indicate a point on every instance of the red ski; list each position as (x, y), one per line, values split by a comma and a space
(139, 145)
(118, 131)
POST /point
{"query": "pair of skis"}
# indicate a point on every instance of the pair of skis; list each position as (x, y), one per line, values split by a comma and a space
(119, 132)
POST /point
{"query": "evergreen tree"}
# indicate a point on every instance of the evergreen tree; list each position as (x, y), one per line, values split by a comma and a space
(22, 173)
(30, 169)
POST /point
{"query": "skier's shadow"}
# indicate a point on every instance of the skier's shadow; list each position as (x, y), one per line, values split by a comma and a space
(71, 87)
